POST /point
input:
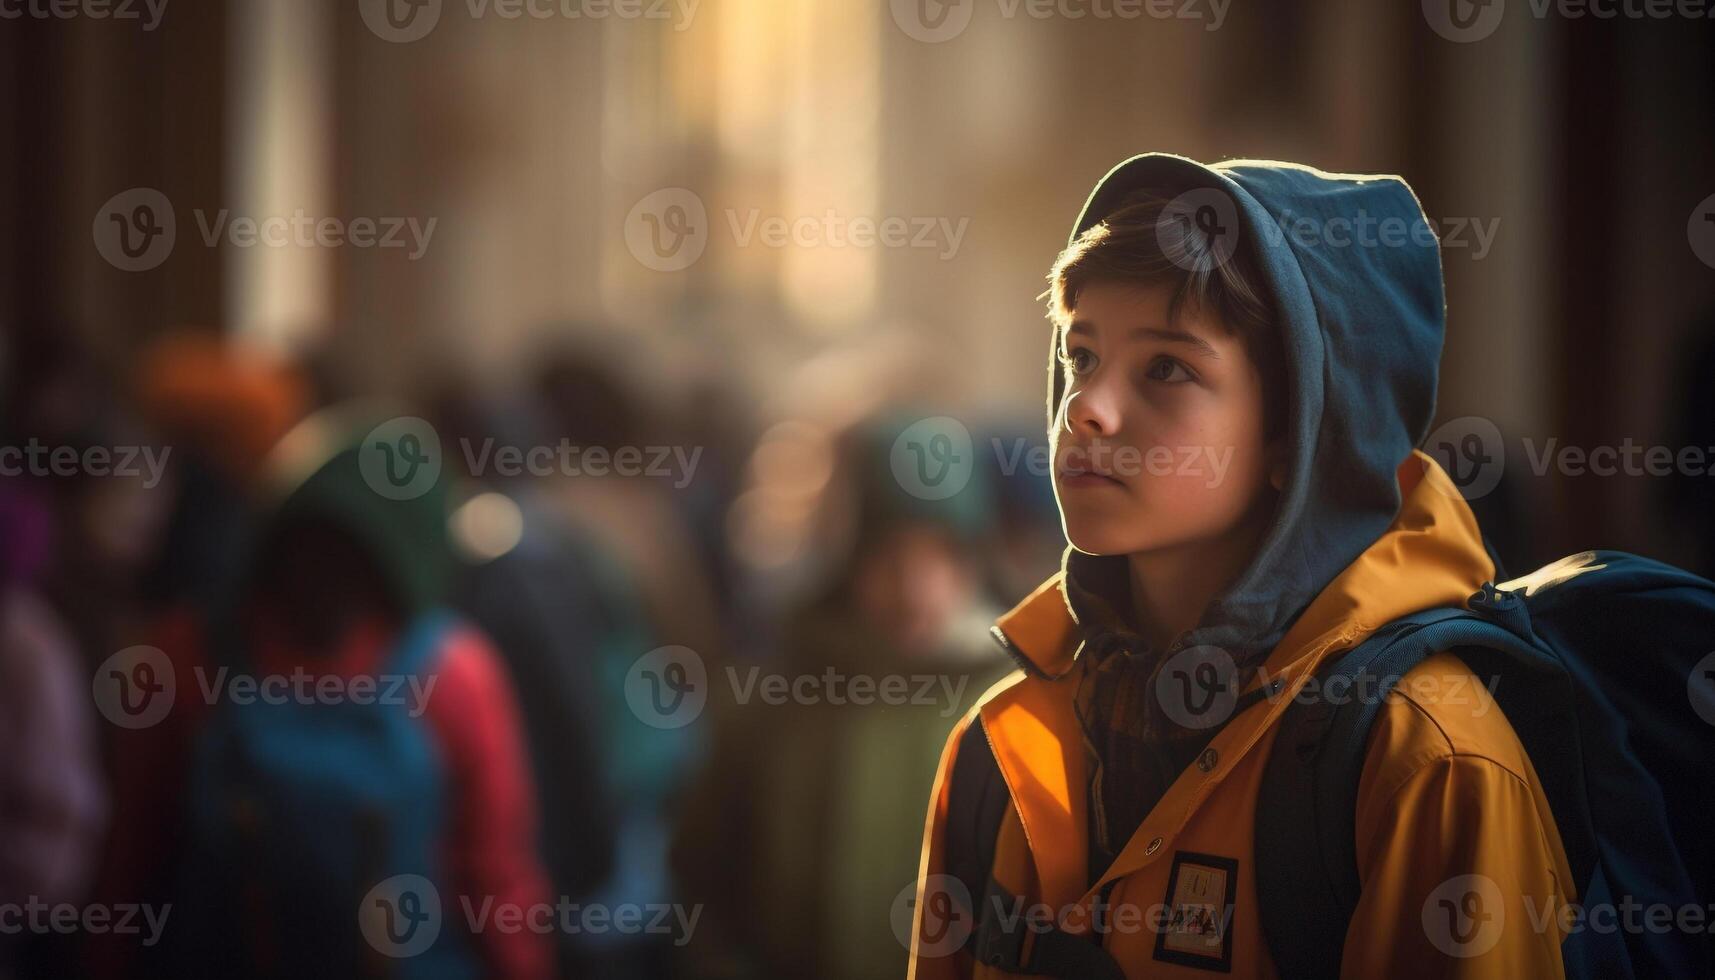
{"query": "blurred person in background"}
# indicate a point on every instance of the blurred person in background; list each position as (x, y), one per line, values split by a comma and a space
(658, 594)
(1026, 543)
(562, 615)
(110, 507)
(288, 812)
(222, 410)
(640, 519)
(52, 795)
(805, 827)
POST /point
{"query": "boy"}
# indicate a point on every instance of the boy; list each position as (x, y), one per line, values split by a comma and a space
(1244, 357)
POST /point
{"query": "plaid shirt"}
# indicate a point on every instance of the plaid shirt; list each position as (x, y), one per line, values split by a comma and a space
(1136, 751)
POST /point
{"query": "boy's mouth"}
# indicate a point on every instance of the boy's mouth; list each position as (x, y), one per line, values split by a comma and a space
(1073, 476)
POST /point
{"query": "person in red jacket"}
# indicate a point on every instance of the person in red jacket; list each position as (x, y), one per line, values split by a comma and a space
(343, 577)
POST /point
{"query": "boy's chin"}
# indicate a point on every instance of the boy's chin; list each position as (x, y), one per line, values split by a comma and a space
(1102, 544)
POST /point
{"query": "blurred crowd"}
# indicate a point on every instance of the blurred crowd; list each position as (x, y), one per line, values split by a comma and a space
(205, 594)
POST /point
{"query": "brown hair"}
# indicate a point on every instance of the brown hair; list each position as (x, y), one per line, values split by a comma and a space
(1143, 243)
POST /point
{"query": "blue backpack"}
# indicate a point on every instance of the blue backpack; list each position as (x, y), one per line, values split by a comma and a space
(1604, 663)
(301, 814)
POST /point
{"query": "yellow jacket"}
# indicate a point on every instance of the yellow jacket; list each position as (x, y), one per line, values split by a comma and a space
(1448, 803)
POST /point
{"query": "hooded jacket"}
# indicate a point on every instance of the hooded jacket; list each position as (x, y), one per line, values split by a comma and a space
(1367, 529)
(488, 843)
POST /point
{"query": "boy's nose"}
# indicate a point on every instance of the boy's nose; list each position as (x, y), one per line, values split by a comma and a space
(1090, 412)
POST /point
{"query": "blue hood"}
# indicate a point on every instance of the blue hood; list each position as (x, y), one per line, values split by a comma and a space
(1360, 306)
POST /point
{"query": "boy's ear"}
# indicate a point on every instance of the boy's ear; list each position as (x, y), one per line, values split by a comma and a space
(1277, 460)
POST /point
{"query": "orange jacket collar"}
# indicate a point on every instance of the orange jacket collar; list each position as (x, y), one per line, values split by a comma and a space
(1431, 555)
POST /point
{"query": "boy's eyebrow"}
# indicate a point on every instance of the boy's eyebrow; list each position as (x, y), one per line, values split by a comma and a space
(1159, 333)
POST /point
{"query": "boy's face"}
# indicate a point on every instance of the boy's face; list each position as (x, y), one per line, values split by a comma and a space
(1158, 440)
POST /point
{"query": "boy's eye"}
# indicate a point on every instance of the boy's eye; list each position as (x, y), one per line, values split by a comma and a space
(1168, 370)
(1079, 359)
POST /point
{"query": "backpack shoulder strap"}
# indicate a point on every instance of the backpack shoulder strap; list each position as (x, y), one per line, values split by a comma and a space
(1306, 815)
(420, 641)
(978, 800)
